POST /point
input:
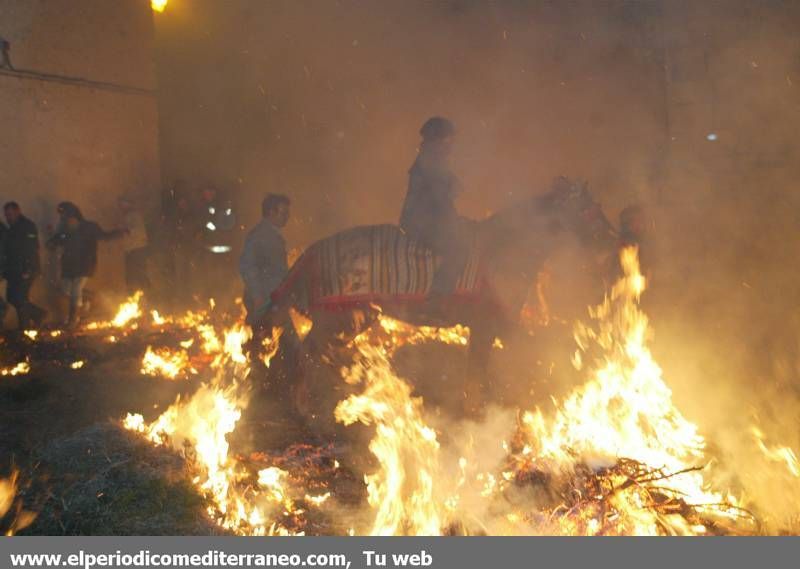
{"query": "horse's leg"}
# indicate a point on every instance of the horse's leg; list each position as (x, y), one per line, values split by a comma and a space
(482, 334)
(318, 386)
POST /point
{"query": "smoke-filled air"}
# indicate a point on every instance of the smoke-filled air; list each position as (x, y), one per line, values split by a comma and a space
(400, 268)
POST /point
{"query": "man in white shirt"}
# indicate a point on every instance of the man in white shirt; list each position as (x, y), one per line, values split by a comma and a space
(263, 264)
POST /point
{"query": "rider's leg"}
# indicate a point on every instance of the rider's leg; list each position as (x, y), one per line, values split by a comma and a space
(452, 245)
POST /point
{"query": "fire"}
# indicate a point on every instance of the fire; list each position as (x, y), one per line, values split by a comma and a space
(158, 5)
(21, 368)
(166, 363)
(126, 317)
(395, 334)
(8, 493)
(401, 491)
(240, 502)
(614, 457)
(779, 454)
(128, 311)
(271, 346)
(623, 425)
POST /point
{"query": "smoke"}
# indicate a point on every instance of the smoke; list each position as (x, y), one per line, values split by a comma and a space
(323, 101)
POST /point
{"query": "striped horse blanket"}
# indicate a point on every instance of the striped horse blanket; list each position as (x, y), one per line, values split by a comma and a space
(369, 264)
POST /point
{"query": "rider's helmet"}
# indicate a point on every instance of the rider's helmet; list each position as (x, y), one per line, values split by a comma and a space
(436, 128)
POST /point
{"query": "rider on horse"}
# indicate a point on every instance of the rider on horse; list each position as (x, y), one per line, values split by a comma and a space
(429, 214)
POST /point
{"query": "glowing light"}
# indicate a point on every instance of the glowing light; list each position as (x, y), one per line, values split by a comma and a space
(8, 495)
(128, 311)
(21, 368)
(158, 5)
(166, 363)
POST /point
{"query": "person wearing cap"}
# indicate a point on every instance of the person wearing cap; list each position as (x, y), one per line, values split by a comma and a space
(429, 213)
(134, 244)
(22, 265)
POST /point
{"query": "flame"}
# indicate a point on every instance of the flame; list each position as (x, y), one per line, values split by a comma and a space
(271, 346)
(158, 5)
(401, 491)
(165, 362)
(302, 324)
(624, 413)
(394, 334)
(8, 493)
(615, 456)
(780, 454)
(32, 334)
(21, 368)
(128, 311)
(200, 426)
(77, 364)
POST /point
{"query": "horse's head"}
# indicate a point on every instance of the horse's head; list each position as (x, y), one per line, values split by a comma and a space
(574, 209)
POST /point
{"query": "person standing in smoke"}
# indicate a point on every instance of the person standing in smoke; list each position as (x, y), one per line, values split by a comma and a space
(263, 264)
(77, 237)
(22, 265)
(429, 213)
(135, 245)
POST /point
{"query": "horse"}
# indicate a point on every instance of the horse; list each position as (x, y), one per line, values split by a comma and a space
(343, 282)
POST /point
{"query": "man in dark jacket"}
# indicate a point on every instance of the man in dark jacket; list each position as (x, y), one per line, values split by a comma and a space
(78, 238)
(22, 265)
(429, 212)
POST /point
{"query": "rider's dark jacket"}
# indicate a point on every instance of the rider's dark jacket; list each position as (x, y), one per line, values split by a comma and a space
(429, 207)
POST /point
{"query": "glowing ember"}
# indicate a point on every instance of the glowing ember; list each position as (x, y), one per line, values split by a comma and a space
(77, 365)
(32, 334)
(20, 369)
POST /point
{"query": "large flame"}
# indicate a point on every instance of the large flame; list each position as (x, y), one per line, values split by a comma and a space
(615, 456)
(623, 423)
(201, 425)
(401, 490)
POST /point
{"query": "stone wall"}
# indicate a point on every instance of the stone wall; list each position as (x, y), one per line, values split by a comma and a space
(68, 140)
